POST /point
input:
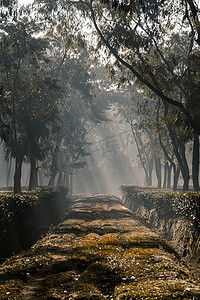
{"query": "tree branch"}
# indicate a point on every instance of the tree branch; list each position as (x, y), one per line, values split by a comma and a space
(194, 12)
(139, 76)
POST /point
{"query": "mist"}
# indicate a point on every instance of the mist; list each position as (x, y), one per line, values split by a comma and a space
(110, 162)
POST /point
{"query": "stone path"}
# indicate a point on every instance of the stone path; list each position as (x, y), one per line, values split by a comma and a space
(100, 251)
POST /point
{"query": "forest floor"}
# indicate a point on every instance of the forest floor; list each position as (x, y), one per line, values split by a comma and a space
(100, 251)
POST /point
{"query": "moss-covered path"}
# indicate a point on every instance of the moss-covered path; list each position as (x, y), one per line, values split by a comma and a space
(100, 251)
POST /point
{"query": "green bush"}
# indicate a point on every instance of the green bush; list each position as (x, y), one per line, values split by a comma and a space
(12, 205)
(23, 216)
(167, 202)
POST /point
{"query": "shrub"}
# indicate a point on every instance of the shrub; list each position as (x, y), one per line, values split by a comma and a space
(13, 205)
(167, 202)
(24, 217)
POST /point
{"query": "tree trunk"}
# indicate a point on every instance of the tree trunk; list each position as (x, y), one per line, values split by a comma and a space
(179, 153)
(66, 179)
(169, 173)
(54, 162)
(8, 165)
(168, 168)
(165, 175)
(53, 175)
(186, 180)
(60, 181)
(147, 172)
(158, 171)
(195, 162)
(176, 177)
(71, 183)
(33, 182)
(185, 170)
(181, 158)
(150, 170)
(17, 175)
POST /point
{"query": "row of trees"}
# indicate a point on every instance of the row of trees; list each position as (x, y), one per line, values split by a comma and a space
(152, 46)
(47, 103)
(165, 59)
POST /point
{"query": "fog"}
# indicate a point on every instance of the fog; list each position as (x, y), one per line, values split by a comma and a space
(111, 161)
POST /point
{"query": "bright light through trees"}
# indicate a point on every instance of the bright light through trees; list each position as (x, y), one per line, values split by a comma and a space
(22, 2)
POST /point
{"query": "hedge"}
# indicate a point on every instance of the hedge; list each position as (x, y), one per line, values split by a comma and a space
(24, 217)
(167, 202)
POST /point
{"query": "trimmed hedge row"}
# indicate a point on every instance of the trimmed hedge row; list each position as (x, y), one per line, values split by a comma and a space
(167, 202)
(12, 206)
(24, 217)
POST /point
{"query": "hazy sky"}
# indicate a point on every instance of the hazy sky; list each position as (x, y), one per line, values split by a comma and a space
(25, 1)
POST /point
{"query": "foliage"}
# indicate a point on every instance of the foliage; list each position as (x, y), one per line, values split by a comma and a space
(8, 10)
(29, 92)
(12, 206)
(30, 98)
(188, 204)
(19, 214)
(137, 36)
(79, 112)
(49, 192)
(167, 202)
(51, 197)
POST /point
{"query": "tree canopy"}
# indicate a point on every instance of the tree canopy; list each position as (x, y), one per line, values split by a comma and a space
(134, 30)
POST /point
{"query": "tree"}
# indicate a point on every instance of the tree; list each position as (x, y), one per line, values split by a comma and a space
(27, 91)
(43, 116)
(78, 113)
(131, 30)
(163, 134)
(8, 9)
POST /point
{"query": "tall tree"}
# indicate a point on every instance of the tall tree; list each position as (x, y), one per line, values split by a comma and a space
(25, 91)
(79, 111)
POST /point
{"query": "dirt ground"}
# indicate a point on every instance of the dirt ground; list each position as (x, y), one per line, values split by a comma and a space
(100, 251)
